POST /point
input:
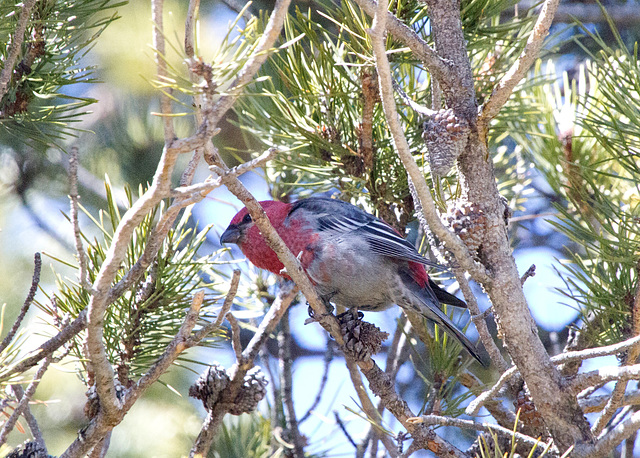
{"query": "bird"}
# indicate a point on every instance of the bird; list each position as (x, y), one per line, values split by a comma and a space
(353, 258)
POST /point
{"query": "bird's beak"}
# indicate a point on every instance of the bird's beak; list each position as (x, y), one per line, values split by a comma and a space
(231, 235)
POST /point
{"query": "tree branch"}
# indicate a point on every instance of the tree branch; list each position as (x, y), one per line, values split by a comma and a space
(74, 199)
(15, 47)
(502, 91)
(35, 280)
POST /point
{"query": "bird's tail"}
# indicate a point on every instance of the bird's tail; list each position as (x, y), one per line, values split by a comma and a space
(429, 307)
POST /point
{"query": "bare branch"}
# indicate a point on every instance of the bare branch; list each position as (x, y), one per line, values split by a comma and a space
(286, 386)
(14, 48)
(597, 403)
(157, 10)
(479, 320)
(22, 402)
(74, 198)
(226, 305)
(611, 440)
(235, 337)
(442, 70)
(271, 319)
(328, 357)
(367, 406)
(604, 375)
(474, 407)
(435, 420)
(35, 280)
(31, 420)
(502, 91)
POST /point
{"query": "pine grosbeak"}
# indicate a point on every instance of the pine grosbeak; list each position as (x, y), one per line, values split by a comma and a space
(353, 258)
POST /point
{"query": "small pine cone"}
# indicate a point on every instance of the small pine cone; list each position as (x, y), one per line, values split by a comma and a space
(28, 450)
(361, 339)
(468, 221)
(209, 385)
(529, 415)
(446, 137)
(254, 389)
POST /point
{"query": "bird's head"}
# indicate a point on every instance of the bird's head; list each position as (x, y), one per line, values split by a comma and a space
(242, 225)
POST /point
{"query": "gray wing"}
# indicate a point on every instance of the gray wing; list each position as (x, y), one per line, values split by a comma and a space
(341, 218)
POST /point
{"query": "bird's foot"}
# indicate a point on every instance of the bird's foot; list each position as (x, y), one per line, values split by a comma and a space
(312, 313)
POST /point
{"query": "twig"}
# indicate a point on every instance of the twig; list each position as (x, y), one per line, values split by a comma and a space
(531, 271)
(235, 337)
(604, 374)
(596, 403)
(442, 70)
(22, 402)
(452, 242)
(35, 280)
(49, 347)
(228, 301)
(343, 428)
(157, 16)
(15, 47)
(479, 321)
(74, 199)
(31, 420)
(424, 111)
(474, 407)
(434, 420)
(611, 440)
(328, 357)
(189, 28)
(632, 355)
(286, 386)
(504, 88)
(367, 406)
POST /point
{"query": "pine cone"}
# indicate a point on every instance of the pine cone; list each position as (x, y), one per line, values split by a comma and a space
(28, 450)
(209, 385)
(446, 137)
(252, 392)
(529, 415)
(361, 339)
(468, 221)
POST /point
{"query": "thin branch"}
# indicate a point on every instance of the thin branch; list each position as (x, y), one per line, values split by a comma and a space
(619, 390)
(31, 420)
(74, 199)
(604, 374)
(35, 280)
(226, 305)
(435, 420)
(16, 45)
(597, 403)
(504, 88)
(49, 347)
(157, 16)
(611, 440)
(367, 406)
(479, 321)
(235, 337)
(430, 213)
(286, 386)
(442, 70)
(190, 28)
(474, 407)
(328, 357)
(22, 402)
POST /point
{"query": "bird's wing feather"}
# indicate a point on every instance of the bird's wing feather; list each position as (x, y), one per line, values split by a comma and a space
(339, 218)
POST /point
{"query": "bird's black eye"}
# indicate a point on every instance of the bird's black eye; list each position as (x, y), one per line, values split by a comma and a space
(246, 219)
